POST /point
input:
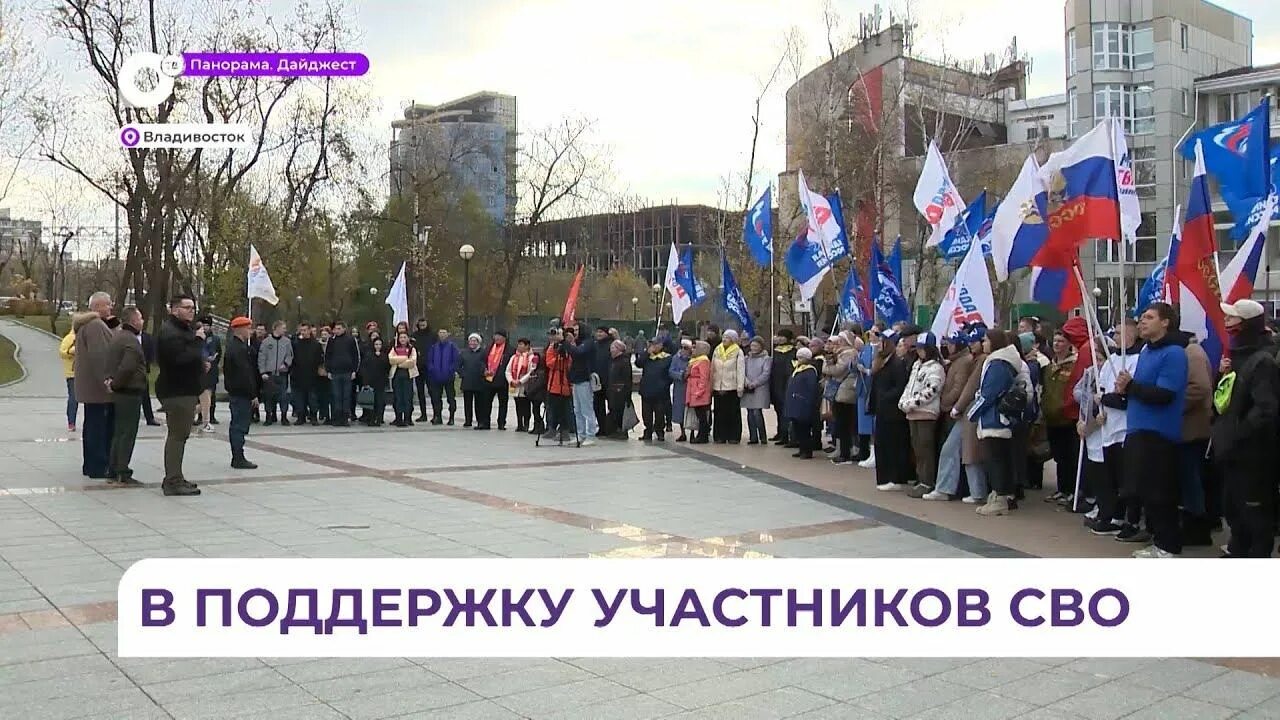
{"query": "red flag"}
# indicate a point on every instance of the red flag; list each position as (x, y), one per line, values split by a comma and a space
(571, 303)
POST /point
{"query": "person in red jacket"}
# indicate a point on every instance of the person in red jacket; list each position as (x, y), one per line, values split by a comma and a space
(697, 391)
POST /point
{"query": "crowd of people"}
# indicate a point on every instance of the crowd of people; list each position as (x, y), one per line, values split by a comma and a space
(1149, 443)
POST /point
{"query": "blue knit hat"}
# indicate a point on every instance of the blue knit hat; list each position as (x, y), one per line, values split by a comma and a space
(927, 339)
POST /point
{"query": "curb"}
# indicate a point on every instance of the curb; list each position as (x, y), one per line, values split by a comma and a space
(17, 357)
(33, 327)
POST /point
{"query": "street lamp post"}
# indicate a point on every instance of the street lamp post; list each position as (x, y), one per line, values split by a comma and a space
(657, 303)
(635, 308)
(298, 306)
(466, 252)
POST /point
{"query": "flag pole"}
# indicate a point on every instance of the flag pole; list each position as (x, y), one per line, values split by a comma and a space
(1122, 240)
(773, 250)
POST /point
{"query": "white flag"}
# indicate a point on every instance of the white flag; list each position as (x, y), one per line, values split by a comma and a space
(936, 197)
(1019, 206)
(398, 299)
(1126, 184)
(680, 300)
(969, 298)
(822, 225)
(259, 281)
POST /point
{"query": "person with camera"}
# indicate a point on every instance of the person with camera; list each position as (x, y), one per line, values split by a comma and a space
(557, 363)
(581, 371)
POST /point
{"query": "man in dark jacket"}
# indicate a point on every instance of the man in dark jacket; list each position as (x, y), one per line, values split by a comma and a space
(801, 398)
(127, 379)
(655, 388)
(1243, 439)
(619, 388)
(496, 358)
(422, 338)
(784, 360)
(180, 356)
(239, 376)
(93, 338)
(341, 362)
(471, 364)
(440, 368)
(304, 373)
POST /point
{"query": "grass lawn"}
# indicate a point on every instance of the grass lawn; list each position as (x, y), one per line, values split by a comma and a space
(41, 322)
(10, 370)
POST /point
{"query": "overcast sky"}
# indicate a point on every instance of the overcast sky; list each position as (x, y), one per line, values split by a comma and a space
(672, 82)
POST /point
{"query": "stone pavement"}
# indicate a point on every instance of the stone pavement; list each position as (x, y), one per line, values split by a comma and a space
(437, 492)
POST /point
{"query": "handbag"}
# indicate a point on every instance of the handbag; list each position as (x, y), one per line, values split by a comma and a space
(364, 398)
(629, 418)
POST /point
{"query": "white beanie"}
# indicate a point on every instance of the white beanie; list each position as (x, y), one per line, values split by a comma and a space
(475, 336)
(804, 353)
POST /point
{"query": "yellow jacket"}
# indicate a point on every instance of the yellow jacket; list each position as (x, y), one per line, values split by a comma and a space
(67, 350)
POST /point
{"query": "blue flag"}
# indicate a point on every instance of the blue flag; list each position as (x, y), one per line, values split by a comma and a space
(853, 299)
(895, 258)
(956, 242)
(1238, 155)
(1153, 289)
(757, 229)
(886, 293)
(685, 278)
(839, 243)
(734, 302)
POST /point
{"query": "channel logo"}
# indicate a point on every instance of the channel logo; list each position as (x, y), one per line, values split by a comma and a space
(185, 135)
(166, 68)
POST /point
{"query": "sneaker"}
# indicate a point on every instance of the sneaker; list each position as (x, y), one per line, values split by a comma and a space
(588, 442)
(1092, 514)
(891, 487)
(1151, 552)
(996, 505)
(1105, 527)
(972, 500)
(180, 489)
(71, 427)
(207, 428)
(242, 464)
(868, 464)
(935, 495)
(918, 490)
(1056, 497)
(1133, 534)
(841, 461)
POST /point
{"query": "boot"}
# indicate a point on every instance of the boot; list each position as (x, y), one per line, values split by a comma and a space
(243, 464)
(181, 488)
(996, 505)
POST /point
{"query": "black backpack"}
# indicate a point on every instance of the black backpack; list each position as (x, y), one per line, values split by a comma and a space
(1013, 403)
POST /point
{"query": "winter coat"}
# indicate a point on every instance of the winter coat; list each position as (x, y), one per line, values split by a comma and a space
(1000, 372)
(341, 355)
(376, 371)
(498, 380)
(887, 386)
(180, 357)
(678, 371)
(519, 370)
(471, 368)
(620, 381)
(728, 369)
(1158, 391)
(1059, 407)
(125, 363)
(1197, 414)
(970, 449)
(67, 351)
(408, 363)
(441, 362)
(601, 359)
(697, 391)
(784, 362)
(239, 375)
(922, 397)
(655, 374)
(802, 394)
(557, 361)
(308, 357)
(758, 389)
(584, 356)
(866, 419)
(843, 371)
(957, 375)
(93, 341)
(535, 388)
(275, 357)
(1244, 435)
(421, 340)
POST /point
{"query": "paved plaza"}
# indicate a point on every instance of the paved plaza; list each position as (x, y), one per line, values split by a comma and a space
(451, 492)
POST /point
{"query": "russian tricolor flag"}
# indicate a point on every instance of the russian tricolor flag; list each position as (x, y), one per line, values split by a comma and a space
(1193, 267)
(1239, 274)
(1056, 287)
(1083, 197)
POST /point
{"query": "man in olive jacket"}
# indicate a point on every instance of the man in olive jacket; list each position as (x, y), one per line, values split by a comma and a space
(93, 338)
(127, 366)
(180, 357)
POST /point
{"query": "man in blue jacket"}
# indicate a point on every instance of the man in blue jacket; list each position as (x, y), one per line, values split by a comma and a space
(441, 363)
(802, 398)
(655, 388)
(1156, 394)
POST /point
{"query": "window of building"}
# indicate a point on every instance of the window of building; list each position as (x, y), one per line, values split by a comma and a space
(1071, 51)
(1144, 47)
(1037, 132)
(1182, 36)
(1073, 113)
(1108, 251)
(1117, 46)
(1186, 103)
(1107, 52)
(1132, 104)
(1144, 173)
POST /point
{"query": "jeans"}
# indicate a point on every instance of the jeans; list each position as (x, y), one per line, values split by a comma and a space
(584, 409)
(178, 412)
(124, 436)
(72, 405)
(306, 403)
(241, 409)
(402, 394)
(1191, 462)
(280, 398)
(755, 426)
(949, 463)
(436, 390)
(340, 390)
(95, 439)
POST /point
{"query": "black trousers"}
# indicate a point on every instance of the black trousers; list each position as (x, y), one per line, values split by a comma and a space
(1150, 461)
(379, 410)
(437, 390)
(657, 413)
(804, 436)
(1106, 483)
(147, 411)
(600, 405)
(1064, 444)
(524, 412)
(484, 411)
(726, 424)
(1000, 462)
(893, 451)
(469, 398)
(559, 413)
(704, 422)
(843, 414)
(1253, 524)
(95, 438)
(784, 425)
(420, 384)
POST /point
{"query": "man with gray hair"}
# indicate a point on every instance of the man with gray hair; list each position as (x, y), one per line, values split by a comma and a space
(127, 369)
(93, 340)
